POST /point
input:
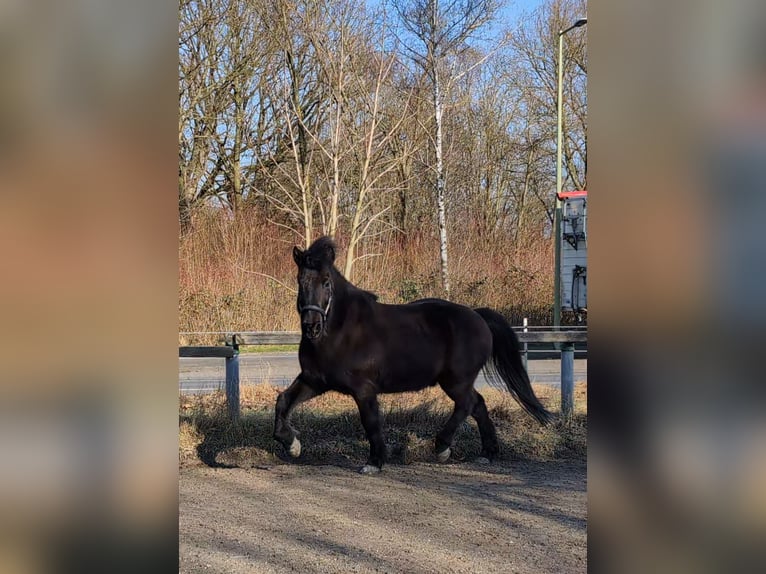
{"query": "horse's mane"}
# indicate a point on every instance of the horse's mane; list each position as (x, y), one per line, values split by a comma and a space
(352, 291)
(355, 291)
(321, 254)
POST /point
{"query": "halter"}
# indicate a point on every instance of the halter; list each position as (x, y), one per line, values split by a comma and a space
(322, 312)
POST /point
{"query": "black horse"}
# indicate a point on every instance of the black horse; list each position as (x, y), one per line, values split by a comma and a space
(354, 345)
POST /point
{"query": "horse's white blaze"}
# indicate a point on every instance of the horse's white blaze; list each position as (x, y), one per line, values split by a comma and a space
(295, 448)
(369, 469)
(444, 455)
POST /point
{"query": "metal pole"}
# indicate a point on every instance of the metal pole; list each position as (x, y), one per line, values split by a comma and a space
(557, 210)
(232, 382)
(525, 352)
(567, 380)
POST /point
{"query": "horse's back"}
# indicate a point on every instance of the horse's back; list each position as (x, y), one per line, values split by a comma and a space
(434, 338)
(462, 321)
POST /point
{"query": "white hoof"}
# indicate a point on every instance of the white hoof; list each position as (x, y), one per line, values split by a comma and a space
(295, 448)
(369, 469)
(444, 455)
(482, 460)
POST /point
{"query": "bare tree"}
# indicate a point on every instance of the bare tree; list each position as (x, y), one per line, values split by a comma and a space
(374, 162)
(298, 107)
(335, 37)
(483, 150)
(441, 30)
(201, 98)
(243, 63)
(535, 48)
(354, 73)
(224, 53)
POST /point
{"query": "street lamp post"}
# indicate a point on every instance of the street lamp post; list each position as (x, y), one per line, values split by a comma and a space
(557, 211)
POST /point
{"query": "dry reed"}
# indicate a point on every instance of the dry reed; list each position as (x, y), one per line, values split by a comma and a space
(236, 272)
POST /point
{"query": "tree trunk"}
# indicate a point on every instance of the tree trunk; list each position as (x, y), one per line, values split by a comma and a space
(522, 204)
(335, 194)
(351, 250)
(184, 207)
(302, 152)
(236, 154)
(440, 185)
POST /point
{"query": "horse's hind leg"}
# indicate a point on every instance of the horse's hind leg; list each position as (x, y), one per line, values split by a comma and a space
(297, 393)
(465, 400)
(373, 427)
(489, 445)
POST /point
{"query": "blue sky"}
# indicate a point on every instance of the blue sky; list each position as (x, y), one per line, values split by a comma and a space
(512, 11)
(515, 8)
(509, 16)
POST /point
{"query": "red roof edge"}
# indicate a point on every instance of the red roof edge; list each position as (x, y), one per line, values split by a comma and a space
(572, 194)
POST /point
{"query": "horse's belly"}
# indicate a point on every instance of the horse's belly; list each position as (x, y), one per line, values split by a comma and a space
(412, 377)
(405, 385)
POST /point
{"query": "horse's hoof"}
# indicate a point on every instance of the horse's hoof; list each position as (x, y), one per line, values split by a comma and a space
(295, 448)
(369, 469)
(482, 460)
(444, 455)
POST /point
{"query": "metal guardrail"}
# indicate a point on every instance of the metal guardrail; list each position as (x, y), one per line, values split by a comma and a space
(294, 337)
(231, 354)
(565, 340)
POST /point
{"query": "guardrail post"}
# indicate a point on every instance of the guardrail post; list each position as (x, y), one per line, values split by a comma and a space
(567, 380)
(232, 381)
(525, 351)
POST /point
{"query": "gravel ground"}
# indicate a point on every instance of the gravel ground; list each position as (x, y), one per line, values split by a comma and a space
(513, 517)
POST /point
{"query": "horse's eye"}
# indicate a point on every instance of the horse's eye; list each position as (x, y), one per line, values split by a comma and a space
(327, 283)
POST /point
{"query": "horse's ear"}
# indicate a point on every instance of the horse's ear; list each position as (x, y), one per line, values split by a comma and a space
(297, 256)
(329, 254)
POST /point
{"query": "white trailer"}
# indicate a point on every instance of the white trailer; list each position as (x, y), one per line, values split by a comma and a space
(574, 251)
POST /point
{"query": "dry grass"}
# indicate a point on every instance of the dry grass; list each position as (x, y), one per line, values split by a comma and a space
(331, 431)
(236, 273)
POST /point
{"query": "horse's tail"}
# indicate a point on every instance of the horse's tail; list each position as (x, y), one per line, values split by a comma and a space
(505, 366)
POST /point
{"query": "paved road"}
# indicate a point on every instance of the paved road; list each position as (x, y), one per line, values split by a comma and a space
(205, 375)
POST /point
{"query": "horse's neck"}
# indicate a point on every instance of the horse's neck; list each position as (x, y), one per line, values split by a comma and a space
(350, 301)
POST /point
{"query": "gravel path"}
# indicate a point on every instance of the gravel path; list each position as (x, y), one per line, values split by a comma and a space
(516, 517)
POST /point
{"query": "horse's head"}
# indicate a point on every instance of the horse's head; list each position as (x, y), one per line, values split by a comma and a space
(315, 285)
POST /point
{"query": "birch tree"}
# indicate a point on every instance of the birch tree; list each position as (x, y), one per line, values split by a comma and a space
(440, 31)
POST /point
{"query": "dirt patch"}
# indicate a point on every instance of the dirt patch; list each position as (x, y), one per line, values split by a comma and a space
(421, 518)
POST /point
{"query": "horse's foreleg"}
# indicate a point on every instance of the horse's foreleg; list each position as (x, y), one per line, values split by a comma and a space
(373, 427)
(297, 393)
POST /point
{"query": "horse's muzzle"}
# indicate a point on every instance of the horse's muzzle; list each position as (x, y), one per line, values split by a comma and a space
(313, 330)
